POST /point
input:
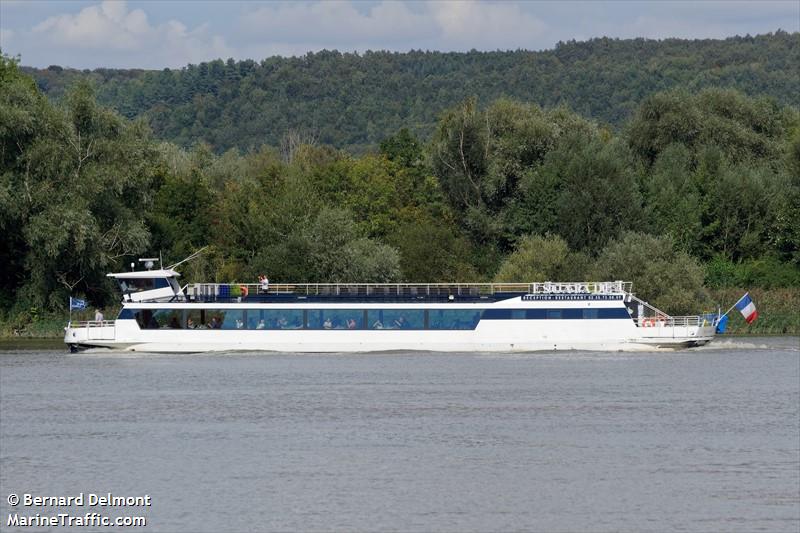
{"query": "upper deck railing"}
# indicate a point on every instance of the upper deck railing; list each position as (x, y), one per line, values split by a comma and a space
(234, 290)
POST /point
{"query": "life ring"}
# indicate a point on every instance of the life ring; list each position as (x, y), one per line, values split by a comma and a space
(244, 291)
(649, 322)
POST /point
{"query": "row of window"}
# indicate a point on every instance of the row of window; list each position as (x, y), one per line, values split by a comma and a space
(274, 319)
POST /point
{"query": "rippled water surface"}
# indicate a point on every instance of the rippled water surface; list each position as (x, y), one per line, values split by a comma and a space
(699, 440)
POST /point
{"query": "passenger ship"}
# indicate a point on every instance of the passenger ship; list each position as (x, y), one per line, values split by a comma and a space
(158, 315)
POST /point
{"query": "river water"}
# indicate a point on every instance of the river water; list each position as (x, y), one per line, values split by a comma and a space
(698, 440)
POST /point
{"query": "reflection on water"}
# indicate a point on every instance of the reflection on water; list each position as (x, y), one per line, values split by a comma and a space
(697, 440)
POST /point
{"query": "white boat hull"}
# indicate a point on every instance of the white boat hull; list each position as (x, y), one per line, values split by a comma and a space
(489, 336)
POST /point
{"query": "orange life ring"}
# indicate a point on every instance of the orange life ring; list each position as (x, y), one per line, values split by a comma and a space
(649, 322)
(245, 291)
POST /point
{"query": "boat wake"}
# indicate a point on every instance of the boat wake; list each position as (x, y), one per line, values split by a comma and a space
(791, 344)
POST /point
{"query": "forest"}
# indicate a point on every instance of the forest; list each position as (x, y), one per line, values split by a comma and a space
(353, 101)
(693, 197)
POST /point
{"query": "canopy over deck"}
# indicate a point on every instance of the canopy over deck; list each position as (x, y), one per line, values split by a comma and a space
(145, 274)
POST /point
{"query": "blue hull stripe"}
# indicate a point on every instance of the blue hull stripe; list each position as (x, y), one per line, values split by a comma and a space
(554, 314)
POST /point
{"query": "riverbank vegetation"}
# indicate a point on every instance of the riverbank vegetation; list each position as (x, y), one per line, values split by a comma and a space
(695, 198)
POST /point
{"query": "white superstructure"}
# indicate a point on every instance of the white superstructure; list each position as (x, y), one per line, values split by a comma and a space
(160, 316)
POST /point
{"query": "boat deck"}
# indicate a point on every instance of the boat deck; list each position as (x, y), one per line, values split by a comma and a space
(391, 292)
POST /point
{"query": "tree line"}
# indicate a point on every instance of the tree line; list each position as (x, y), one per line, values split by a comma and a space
(698, 189)
(353, 101)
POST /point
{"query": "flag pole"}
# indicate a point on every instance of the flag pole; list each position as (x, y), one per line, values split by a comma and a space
(734, 305)
(69, 325)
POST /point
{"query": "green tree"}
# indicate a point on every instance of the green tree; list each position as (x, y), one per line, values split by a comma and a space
(539, 258)
(80, 179)
(673, 199)
(597, 194)
(744, 129)
(669, 279)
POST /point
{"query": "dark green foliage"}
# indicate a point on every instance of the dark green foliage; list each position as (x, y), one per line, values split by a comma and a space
(596, 194)
(743, 129)
(766, 272)
(76, 180)
(488, 163)
(403, 148)
(354, 101)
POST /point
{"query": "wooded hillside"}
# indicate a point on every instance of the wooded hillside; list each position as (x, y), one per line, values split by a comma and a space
(354, 101)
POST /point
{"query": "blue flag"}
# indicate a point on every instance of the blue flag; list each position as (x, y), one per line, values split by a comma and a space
(722, 325)
(76, 303)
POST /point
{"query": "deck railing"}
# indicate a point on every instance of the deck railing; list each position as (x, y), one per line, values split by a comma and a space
(672, 326)
(91, 324)
(233, 290)
(95, 329)
(665, 321)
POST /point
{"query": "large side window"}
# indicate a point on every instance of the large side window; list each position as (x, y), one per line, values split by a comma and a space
(453, 318)
(215, 318)
(336, 319)
(275, 319)
(196, 319)
(233, 319)
(159, 318)
(396, 319)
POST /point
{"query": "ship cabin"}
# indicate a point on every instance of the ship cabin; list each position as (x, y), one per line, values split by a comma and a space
(149, 285)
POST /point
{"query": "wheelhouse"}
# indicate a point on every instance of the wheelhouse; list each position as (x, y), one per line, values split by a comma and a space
(148, 285)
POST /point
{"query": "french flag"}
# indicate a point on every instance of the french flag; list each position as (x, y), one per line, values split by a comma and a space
(748, 309)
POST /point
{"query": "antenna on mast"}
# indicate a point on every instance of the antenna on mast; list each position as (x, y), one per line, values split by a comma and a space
(198, 252)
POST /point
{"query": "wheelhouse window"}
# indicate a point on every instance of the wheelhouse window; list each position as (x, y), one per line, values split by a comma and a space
(132, 285)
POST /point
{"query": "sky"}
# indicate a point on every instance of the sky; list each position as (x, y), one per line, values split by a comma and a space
(173, 33)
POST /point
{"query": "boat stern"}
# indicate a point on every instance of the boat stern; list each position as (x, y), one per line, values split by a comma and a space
(89, 334)
(676, 332)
